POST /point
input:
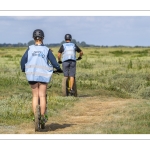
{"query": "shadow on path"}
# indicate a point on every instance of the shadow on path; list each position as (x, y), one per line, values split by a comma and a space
(86, 95)
(55, 126)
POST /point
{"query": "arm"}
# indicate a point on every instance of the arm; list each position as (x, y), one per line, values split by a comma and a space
(52, 59)
(80, 54)
(59, 54)
(24, 60)
(79, 51)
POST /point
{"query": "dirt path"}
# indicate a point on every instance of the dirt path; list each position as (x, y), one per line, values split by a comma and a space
(81, 118)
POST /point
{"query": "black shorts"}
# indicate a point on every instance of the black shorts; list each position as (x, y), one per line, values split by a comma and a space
(69, 68)
(34, 82)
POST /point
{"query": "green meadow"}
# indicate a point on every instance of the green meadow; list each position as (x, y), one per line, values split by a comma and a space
(120, 72)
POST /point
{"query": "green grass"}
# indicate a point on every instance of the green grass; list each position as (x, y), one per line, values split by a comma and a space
(138, 53)
(118, 72)
(132, 119)
(102, 71)
(18, 108)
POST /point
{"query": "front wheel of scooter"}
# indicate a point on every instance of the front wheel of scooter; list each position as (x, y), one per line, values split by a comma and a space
(37, 118)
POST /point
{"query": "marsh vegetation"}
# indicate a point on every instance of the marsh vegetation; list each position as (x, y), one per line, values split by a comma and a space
(121, 72)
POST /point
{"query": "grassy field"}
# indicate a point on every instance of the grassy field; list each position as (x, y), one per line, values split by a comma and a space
(112, 72)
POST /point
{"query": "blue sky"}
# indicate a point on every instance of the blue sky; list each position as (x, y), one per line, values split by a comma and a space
(97, 30)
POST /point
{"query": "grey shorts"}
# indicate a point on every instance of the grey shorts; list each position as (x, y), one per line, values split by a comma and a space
(69, 68)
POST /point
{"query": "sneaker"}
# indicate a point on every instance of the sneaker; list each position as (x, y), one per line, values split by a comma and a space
(44, 119)
(72, 91)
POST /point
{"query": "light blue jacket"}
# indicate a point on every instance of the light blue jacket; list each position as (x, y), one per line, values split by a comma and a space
(69, 52)
(37, 67)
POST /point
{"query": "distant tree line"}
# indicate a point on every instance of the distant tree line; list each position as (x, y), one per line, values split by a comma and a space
(81, 44)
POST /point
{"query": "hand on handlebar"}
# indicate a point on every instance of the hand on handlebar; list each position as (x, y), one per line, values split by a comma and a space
(60, 62)
(79, 58)
(58, 71)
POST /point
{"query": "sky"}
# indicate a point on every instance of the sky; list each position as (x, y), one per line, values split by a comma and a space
(97, 30)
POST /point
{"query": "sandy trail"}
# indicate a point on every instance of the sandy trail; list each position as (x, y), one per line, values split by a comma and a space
(86, 113)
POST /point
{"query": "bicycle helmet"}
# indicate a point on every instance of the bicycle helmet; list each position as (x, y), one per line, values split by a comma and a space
(68, 37)
(38, 34)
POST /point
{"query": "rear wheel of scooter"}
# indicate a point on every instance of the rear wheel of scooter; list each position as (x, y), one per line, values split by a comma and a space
(75, 88)
(65, 87)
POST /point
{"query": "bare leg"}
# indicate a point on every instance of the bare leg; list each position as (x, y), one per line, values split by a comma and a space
(71, 82)
(42, 95)
(35, 96)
